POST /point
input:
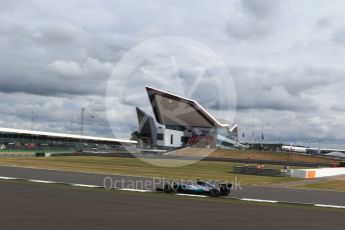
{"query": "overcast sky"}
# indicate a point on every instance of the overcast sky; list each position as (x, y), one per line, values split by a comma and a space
(286, 59)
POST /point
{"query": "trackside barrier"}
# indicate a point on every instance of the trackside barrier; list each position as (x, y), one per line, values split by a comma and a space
(258, 171)
(17, 154)
(40, 154)
(316, 173)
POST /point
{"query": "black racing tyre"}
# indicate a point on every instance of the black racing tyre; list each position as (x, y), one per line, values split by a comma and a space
(168, 188)
(214, 192)
(179, 190)
(224, 190)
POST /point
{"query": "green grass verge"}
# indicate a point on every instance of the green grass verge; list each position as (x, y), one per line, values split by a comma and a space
(35, 151)
(136, 167)
(264, 155)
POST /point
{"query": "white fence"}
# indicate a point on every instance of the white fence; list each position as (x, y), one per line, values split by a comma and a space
(316, 173)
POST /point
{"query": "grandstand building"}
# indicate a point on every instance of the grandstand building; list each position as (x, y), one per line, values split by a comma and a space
(181, 122)
(28, 140)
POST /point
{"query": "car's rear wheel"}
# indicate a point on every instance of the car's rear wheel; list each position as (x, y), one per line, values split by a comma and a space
(214, 192)
(227, 192)
(224, 190)
(179, 190)
(168, 188)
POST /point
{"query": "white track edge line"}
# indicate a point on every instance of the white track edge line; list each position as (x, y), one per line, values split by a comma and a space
(192, 195)
(85, 185)
(328, 206)
(42, 181)
(8, 178)
(134, 190)
(259, 200)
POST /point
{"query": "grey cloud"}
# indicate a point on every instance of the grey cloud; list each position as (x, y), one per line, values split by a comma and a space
(7, 5)
(276, 98)
(324, 22)
(51, 114)
(261, 8)
(59, 34)
(293, 89)
(59, 77)
(254, 20)
(338, 36)
(245, 28)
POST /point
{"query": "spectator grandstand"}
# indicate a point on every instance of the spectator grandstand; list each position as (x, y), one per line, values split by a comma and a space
(19, 140)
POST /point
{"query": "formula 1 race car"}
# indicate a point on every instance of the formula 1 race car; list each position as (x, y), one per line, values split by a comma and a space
(199, 187)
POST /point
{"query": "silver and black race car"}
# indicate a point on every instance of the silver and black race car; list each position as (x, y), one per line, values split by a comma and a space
(199, 187)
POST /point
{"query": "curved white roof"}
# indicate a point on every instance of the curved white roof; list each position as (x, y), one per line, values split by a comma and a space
(336, 154)
(171, 109)
(64, 135)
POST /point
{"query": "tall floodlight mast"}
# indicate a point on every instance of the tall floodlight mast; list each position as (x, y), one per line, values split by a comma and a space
(82, 121)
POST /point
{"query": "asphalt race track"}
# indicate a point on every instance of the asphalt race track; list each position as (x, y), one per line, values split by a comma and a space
(29, 206)
(252, 192)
